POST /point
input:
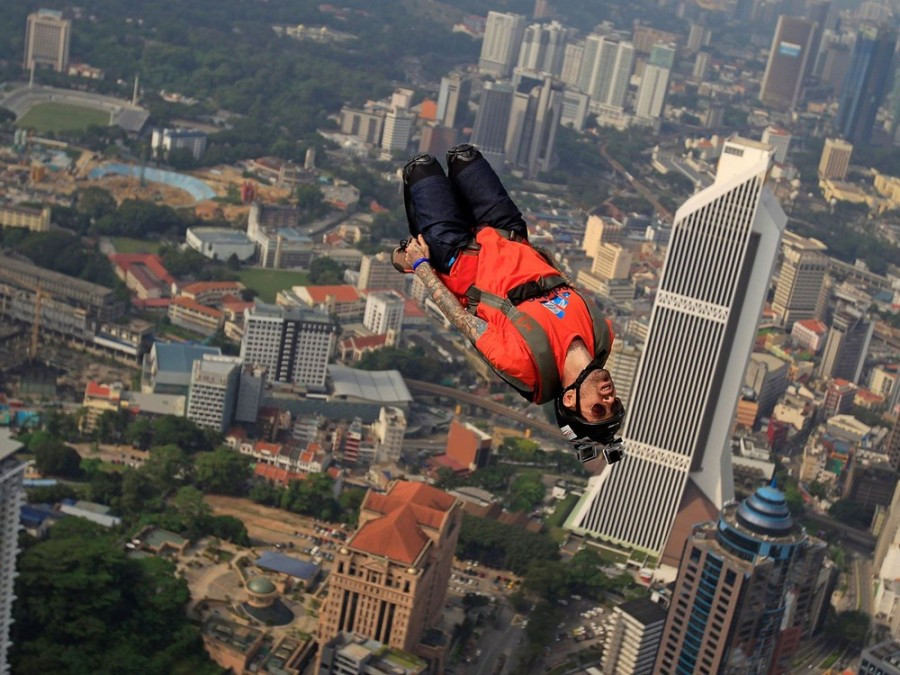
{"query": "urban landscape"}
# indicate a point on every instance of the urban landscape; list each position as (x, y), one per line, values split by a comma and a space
(234, 437)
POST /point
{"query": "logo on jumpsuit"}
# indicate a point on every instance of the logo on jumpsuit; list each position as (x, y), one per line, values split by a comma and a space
(557, 304)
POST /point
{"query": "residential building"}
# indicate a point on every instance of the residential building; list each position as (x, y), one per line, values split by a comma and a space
(12, 497)
(622, 364)
(16, 215)
(389, 430)
(543, 48)
(701, 67)
(678, 470)
(606, 70)
(809, 334)
(398, 128)
(632, 637)
(342, 301)
(47, 37)
(389, 581)
(867, 82)
(377, 273)
(492, 121)
(839, 395)
(613, 261)
(572, 58)
(502, 40)
(164, 141)
(744, 593)
(453, 99)
(835, 160)
(651, 95)
(645, 37)
(792, 47)
(293, 344)
(847, 345)
(195, 317)
(167, 367)
(384, 313)
(575, 108)
(215, 381)
(780, 140)
(799, 290)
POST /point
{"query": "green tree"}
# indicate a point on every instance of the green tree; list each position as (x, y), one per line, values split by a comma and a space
(167, 467)
(325, 271)
(222, 471)
(309, 198)
(349, 502)
(53, 457)
(139, 433)
(526, 492)
(546, 579)
(850, 626)
(92, 203)
(189, 505)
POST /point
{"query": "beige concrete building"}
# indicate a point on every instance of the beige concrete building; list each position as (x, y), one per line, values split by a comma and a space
(799, 289)
(36, 220)
(835, 159)
(390, 580)
(613, 261)
(47, 36)
(622, 365)
(377, 273)
(601, 230)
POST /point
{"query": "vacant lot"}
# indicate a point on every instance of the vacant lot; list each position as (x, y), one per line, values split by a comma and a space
(46, 117)
(263, 522)
(129, 245)
(268, 282)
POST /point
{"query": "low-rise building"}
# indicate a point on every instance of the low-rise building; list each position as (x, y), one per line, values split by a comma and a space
(220, 243)
(144, 274)
(211, 293)
(15, 215)
(809, 334)
(195, 317)
(342, 301)
(163, 141)
(167, 367)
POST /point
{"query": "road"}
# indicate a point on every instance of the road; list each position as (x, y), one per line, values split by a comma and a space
(498, 642)
(859, 537)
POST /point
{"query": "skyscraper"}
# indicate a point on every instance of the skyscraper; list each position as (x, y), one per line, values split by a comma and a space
(847, 345)
(398, 126)
(502, 40)
(453, 97)
(651, 95)
(867, 82)
(533, 121)
(389, 581)
(791, 47)
(744, 591)
(799, 289)
(492, 122)
(606, 70)
(543, 48)
(677, 469)
(12, 495)
(47, 36)
(835, 159)
(215, 381)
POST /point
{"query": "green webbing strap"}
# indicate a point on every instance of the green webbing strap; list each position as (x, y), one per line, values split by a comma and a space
(601, 329)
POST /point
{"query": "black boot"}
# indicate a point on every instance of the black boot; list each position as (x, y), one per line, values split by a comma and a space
(481, 190)
(419, 167)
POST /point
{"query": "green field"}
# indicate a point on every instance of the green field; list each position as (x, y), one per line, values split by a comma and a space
(268, 282)
(46, 117)
(129, 245)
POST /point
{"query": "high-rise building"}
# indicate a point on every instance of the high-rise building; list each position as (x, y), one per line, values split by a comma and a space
(847, 345)
(572, 57)
(533, 122)
(575, 109)
(722, 248)
(701, 67)
(215, 381)
(12, 496)
(453, 97)
(779, 139)
(866, 83)
(492, 121)
(744, 592)
(791, 48)
(881, 659)
(389, 429)
(601, 230)
(543, 48)
(835, 160)
(398, 126)
(606, 70)
(251, 391)
(799, 289)
(293, 344)
(47, 36)
(384, 312)
(613, 261)
(366, 125)
(651, 95)
(622, 365)
(698, 36)
(389, 581)
(767, 376)
(632, 637)
(502, 40)
(376, 273)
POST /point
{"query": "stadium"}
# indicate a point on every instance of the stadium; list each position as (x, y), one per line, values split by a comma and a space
(119, 112)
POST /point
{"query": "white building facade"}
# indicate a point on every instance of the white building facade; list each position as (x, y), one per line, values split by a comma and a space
(12, 496)
(215, 381)
(502, 41)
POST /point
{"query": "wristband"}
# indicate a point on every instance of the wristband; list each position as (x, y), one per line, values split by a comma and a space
(418, 262)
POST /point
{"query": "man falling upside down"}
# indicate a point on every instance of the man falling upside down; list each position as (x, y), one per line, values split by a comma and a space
(470, 248)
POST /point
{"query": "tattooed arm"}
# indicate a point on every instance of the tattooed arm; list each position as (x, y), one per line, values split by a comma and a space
(471, 326)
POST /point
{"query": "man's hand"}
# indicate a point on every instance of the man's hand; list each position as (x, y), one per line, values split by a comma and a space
(415, 249)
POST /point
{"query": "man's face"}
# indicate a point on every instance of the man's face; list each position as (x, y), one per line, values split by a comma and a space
(597, 398)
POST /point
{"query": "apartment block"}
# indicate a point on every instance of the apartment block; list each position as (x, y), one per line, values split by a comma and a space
(633, 637)
(215, 381)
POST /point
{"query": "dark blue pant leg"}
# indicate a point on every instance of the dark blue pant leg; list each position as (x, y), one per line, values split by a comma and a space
(440, 219)
(481, 189)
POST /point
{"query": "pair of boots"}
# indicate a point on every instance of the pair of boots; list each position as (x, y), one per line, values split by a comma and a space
(447, 209)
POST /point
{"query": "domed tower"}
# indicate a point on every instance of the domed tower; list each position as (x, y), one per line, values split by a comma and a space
(744, 592)
(261, 592)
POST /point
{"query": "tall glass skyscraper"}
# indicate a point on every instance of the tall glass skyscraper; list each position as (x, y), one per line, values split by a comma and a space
(866, 82)
(677, 468)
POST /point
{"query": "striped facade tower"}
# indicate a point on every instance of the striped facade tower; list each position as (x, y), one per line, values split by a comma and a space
(677, 469)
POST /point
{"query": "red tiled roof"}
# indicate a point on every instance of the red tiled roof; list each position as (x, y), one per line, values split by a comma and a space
(96, 390)
(149, 260)
(364, 341)
(195, 306)
(205, 286)
(150, 303)
(236, 432)
(412, 310)
(448, 462)
(264, 446)
(341, 293)
(814, 325)
(278, 474)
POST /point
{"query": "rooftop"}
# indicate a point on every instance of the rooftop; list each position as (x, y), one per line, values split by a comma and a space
(644, 610)
(179, 357)
(340, 293)
(221, 235)
(285, 564)
(194, 306)
(386, 386)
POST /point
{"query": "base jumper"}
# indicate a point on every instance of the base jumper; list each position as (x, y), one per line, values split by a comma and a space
(469, 246)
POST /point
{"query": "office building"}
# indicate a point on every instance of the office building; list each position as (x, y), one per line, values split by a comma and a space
(398, 128)
(389, 581)
(213, 396)
(572, 58)
(600, 230)
(12, 496)
(164, 141)
(767, 376)
(534, 119)
(613, 261)
(543, 49)
(366, 125)
(713, 287)
(698, 36)
(492, 121)
(384, 313)
(377, 273)
(622, 365)
(881, 659)
(846, 346)
(799, 290)
(167, 367)
(453, 100)
(47, 36)
(468, 446)
(791, 47)
(16, 215)
(866, 83)
(632, 637)
(884, 380)
(744, 593)
(606, 70)
(293, 344)
(502, 41)
(651, 96)
(389, 429)
(575, 108)
(835, 160)
(780, 140)
(252, 389)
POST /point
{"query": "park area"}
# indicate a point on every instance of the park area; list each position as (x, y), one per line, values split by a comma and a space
(268, 282)
(131, 245)
(56, 117)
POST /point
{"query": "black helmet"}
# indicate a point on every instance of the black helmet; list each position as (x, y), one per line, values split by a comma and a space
(590, 438)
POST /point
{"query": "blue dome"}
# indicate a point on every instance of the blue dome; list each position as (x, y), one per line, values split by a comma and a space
(766, 512)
